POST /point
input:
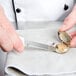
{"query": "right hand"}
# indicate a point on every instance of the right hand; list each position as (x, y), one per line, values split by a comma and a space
(9, 39)
(68, 23)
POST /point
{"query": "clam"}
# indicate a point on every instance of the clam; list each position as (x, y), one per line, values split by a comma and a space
(64, 37)
(63, 46)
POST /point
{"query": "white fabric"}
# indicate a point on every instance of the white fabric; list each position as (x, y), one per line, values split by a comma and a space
(7, 5)
(41, 62)
(42, 10)
(37, 10)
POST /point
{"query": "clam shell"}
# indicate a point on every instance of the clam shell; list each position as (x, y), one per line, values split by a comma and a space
(64, 37)
(62, 48)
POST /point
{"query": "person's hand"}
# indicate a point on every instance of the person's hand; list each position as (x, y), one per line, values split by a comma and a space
(9, 39)
(68, 23)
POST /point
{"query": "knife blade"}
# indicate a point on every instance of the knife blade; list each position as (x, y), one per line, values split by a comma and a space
(42, 46)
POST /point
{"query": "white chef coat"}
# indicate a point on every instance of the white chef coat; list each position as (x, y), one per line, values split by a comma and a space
(35, 11)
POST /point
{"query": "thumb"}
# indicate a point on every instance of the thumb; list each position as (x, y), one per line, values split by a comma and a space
(70, 21)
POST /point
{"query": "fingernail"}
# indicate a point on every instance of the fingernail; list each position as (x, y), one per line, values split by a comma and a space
(20, 49)
(19, 46)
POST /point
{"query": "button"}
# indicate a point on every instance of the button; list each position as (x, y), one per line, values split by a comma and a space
(18, 10)
(66, 7)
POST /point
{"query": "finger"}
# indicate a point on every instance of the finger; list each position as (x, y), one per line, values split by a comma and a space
(67, 25)
(17, 43)
(73, 42)
(73, 34)
(70, 21)
(5, 42)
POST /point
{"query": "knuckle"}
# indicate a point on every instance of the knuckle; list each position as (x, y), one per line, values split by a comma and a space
(6, 48)
(7, 45)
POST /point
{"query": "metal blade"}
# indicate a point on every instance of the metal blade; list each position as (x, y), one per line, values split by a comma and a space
(41, 46)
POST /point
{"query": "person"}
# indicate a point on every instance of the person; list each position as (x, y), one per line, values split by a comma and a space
(31, 10)
(9, 39)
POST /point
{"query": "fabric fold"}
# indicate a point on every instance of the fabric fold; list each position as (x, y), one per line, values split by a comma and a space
(37, 62)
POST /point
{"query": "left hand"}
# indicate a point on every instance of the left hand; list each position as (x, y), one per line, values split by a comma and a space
(68, 23)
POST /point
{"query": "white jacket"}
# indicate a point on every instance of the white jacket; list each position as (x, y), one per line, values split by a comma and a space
(37, 10)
